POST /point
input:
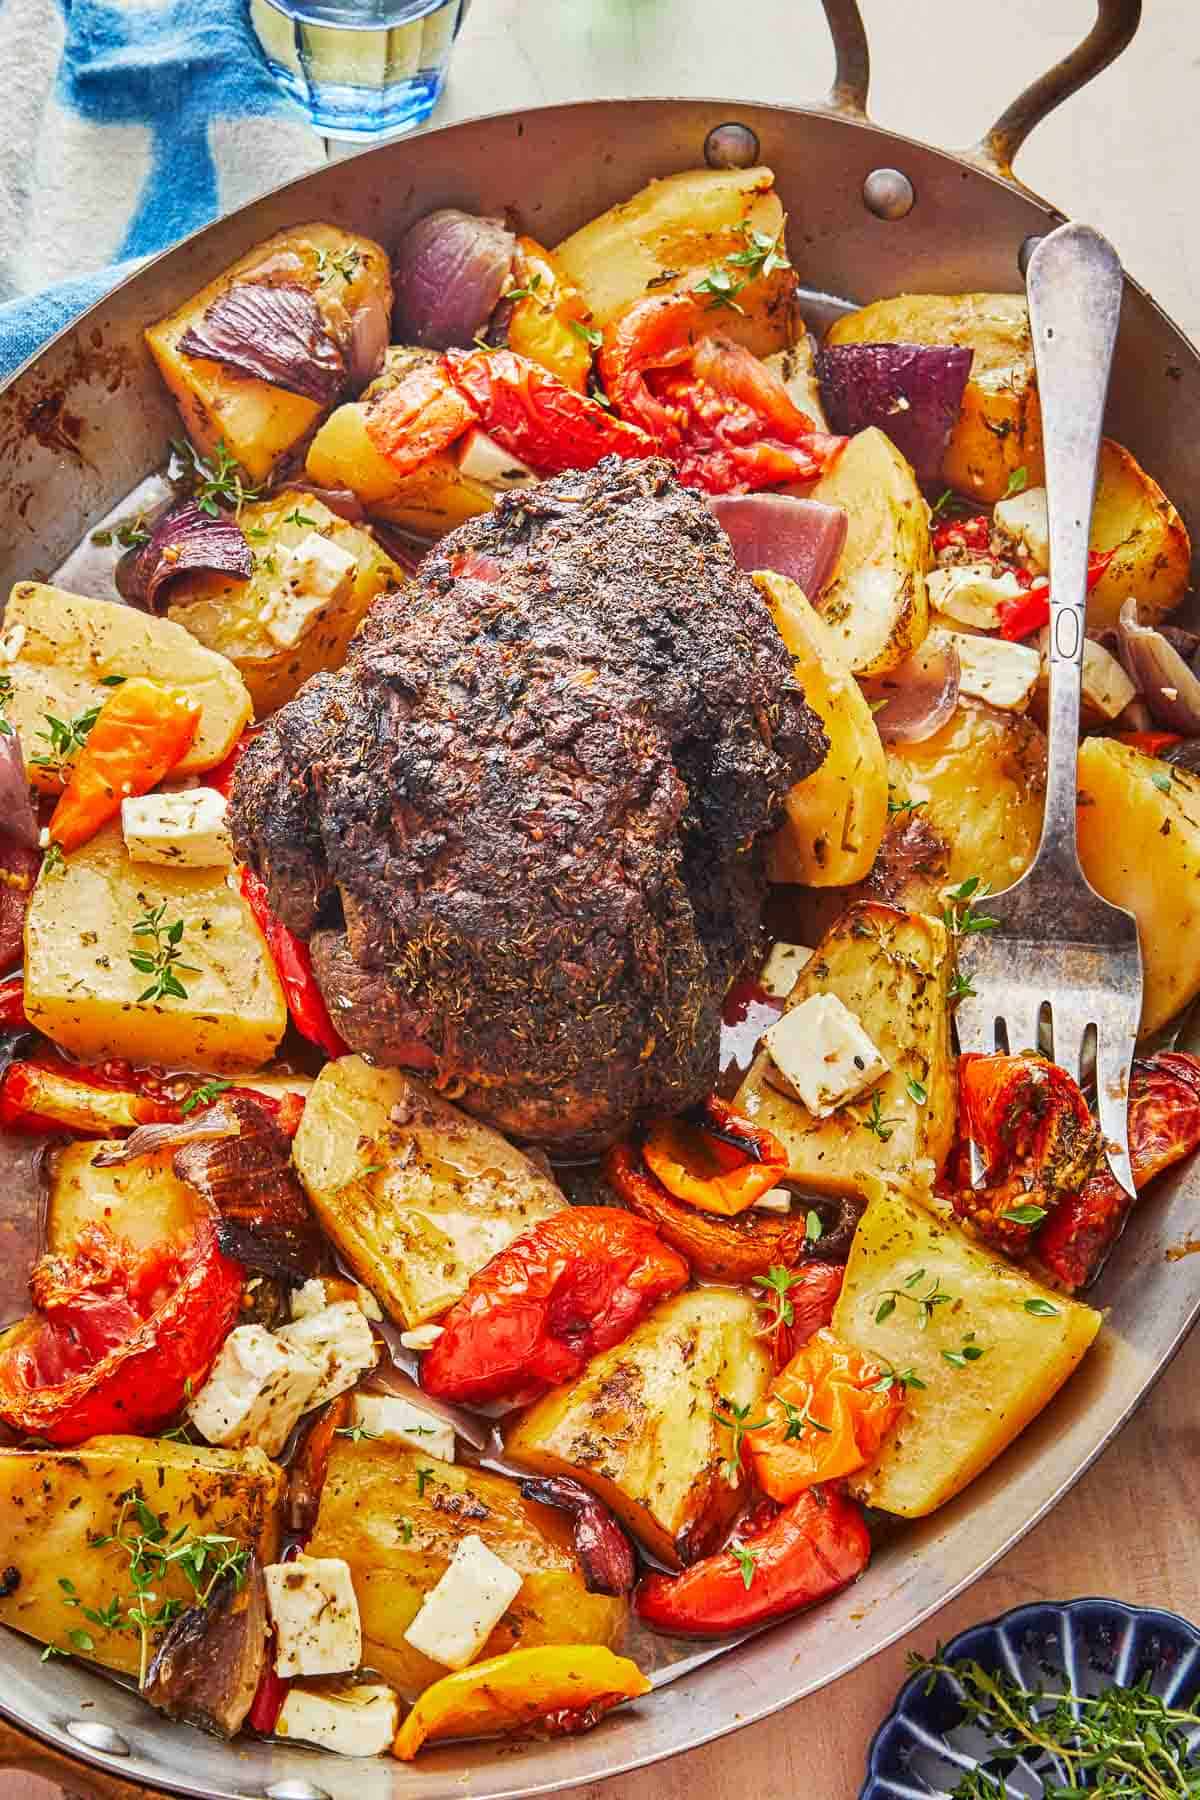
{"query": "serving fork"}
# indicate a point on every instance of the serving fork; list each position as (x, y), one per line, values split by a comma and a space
(1056, 948)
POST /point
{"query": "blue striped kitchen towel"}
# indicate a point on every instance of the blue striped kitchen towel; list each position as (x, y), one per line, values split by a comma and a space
(127, 124)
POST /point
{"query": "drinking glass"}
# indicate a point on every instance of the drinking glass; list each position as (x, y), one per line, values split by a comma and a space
(361, 69)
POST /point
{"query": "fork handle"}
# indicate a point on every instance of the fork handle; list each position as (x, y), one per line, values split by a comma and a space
(1075, 285)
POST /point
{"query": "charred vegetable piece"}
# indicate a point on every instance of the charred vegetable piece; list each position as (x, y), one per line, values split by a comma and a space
(263, 1218)
(605, 1553)
(274, 332)
(186, 541)
(828, 1412)
(140, 734)
(911, 391)
(1164, 1125)
(1039, 1142)
(566, 1290)
(41, 1098)
(208, 1667)
(777, 1563)
(562, 1688)
(716, 1161)
(536, 417)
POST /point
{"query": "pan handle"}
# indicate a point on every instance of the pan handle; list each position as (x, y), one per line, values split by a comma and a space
(1116, 22)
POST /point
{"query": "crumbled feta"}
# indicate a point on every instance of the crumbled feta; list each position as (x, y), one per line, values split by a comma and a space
(258, 1388)
(392, 1416)
(782, 967)
(351, 1719)
(319, 566)
(481, 458)
(421, 1337)
(1105, 686)
(1003, 674)
(778, 1200)
(461, 1611)
(185, 830)
(822, 1055)
(287, 614)
(1023, 520)
(971, 593)
(313, 1296)
(315, 1614)
(338, 1340)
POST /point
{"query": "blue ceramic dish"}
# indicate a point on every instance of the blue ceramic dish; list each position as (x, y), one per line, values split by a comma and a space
(922, 1749)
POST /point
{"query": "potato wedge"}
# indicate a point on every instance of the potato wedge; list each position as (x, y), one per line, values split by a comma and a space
(398, 1533)
(1152, 550)
(638, 1428)
(670, 234)
(834, 821)
(54, 1502)
(257, 421)
(82, 990)
(61, 647)
(1139, 844)
(877, 606)
(796, 367)
(448, 1195)
(999, 428)
(892, 969)
(966, 1412)
(144, 1202)
(432, 500)
(234, 617)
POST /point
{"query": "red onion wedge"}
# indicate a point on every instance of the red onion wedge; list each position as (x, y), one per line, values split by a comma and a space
(802, 539)
(342, 501)
(448, 273)
(263, 1218)
(276, 334)
(16, 803)
(150, 1140)
(919, 696)
(912, 392)
(605, 1553)
(19, 866)
(183, 540)
(369, 328)
(1167, 684)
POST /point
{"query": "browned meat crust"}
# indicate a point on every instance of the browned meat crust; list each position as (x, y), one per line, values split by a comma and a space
(519, 827)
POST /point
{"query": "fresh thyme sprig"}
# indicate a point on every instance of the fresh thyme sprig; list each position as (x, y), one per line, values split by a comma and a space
(66, 738)
(960, 918)
(203, 1095)
(737, 1421)
(164, 961)
(212, 483)
(876, 1122)
(925, 1303)
(775, 1284)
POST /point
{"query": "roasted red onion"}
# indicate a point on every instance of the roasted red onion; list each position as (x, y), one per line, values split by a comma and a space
(151, 1140)
(448, 272)
(369, 327)
(19, 866)
(263, 1219)
(16, 803)
(605, 1553)
(185, 539)
(1170, 688)
(23, 1193)
(275, 333)
(342, 501)
(802, 539)
(207, 1668)
(919, 696)
(910, 391)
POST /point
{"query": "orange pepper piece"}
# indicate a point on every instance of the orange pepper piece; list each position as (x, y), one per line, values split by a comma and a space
(720, 1165)
(566, 1687)
(827, 1417)
(418, 418)
(542, 326)
(141, 732)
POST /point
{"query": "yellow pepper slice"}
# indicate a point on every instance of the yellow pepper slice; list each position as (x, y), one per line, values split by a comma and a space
(520, 1688)
(547, 323)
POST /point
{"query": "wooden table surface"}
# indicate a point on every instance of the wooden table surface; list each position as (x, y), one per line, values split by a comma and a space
(1123, 156)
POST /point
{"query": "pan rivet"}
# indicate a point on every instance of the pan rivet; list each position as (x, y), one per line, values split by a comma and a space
(1027, 249)
(296, 1788)
(731, 146)
(97, 1736)
(889, 194)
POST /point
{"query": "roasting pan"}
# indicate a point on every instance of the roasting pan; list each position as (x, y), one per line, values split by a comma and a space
(872, 214)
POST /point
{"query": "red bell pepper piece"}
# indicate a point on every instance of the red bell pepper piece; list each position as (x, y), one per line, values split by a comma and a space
(537, 417)
(419, 418)
(293, 964)
(722, 1163)
(1021, 618)
(37, 1098)
(12, 1004)
(222, 776)
(776, 1563)
(1150, 743)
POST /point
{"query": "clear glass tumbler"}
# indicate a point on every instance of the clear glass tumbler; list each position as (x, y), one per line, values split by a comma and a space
(361, 69)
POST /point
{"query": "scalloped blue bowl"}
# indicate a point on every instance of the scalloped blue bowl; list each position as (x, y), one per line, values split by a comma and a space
(923, 1749)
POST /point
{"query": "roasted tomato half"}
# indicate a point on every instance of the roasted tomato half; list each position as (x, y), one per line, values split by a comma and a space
(1039, 1143)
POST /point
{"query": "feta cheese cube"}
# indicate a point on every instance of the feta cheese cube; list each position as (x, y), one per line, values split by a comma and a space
(351, 1718)
(461, 1611)
(308, 1298)
(258, 1388)
(779, 1200)
(971, 593)
(186, 830)
(822, 1056)
(288, 613)
(392, 1416)
(315, 1295)
(315, 1614)
(1106, 688)
(338, 1341)
(481, 458)
(421, 1337)
(1004, 675)
(1023, 520)
(782, 967)
(319, 566)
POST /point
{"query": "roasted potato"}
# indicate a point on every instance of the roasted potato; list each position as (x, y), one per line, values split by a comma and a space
(670, 234)
(638, 1425)
(430, 501)
(239, 618)
(834, 820)
(258, 422)
(398, 1532)
(892, 969)
(144, 1202)
(53, 1503)
(877, 606)
(1139, 844)
(968, 1410)
(1152, 551)
(999, 428)
(82, 990)
(796, 367)
(59, 648)
(448, 1194)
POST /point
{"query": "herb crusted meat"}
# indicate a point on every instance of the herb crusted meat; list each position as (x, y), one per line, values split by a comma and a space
(519, 827)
